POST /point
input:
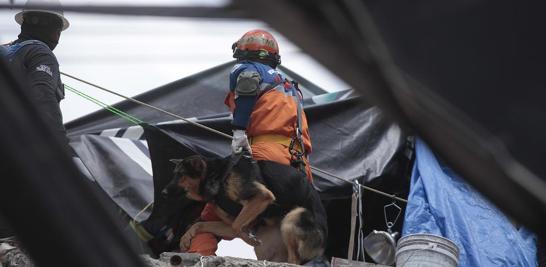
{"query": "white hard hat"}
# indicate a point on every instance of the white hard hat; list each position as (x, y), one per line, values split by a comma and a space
(53, 3)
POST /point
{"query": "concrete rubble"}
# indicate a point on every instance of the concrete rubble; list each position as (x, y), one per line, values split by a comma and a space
(171, 259)
(11, 255)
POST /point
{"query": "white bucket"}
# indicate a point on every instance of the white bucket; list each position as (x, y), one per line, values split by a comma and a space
(426, 250)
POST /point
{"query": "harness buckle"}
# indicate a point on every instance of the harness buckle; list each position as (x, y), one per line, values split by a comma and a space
(296, 156)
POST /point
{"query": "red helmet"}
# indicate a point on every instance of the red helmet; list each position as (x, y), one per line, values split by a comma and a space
(257, 44)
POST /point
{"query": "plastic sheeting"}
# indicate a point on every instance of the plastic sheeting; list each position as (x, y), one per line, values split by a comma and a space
(441, 203)
(121, 167)
(349, 141)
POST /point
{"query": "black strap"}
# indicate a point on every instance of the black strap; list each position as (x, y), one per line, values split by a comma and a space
(297, 156)
(222, 200)
(235, 157)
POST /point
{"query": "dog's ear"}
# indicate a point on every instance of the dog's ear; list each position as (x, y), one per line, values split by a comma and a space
(194, 166)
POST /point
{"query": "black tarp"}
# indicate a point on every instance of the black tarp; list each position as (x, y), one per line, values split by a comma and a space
(121, 167)
(359, 144)
(351, 140)
(118, 158)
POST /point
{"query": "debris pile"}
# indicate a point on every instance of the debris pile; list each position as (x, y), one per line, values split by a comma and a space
(11, 255)
(171, 259)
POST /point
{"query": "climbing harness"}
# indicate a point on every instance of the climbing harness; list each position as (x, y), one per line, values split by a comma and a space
(296, 146)
(297, 140)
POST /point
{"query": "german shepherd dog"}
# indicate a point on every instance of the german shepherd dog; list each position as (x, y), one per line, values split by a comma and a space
(272, 200)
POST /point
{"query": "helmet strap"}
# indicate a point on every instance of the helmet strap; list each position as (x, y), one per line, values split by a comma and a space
(272, 60)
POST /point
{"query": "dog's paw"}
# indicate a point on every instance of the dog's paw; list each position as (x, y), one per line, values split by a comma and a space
(237, 228)
(185, 240)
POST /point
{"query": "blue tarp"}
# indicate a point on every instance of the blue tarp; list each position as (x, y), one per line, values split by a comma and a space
(441, 203)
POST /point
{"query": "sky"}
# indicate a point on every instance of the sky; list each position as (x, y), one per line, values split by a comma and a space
(131, 55)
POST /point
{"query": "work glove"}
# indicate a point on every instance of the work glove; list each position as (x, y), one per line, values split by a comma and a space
(240, 142)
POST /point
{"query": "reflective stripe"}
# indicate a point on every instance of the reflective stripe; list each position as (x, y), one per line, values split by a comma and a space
(110, 132)
(131, 150)
(144, 142)
(133, 132)
(273, 138)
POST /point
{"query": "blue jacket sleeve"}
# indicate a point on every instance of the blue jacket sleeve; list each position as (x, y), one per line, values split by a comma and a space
(45, 86)
(243, 104)
(243, 108)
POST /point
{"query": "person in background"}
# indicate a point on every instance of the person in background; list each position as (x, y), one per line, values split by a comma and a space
(268, 118)
(31, 58)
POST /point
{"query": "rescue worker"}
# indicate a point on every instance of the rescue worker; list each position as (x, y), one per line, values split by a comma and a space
(267, 109)
(31, 58)
(268, 118)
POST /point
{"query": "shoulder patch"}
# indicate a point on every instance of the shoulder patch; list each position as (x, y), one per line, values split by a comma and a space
(271, 71)
(45, 69)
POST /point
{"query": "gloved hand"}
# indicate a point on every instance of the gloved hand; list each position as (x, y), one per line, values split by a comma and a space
(240, 142)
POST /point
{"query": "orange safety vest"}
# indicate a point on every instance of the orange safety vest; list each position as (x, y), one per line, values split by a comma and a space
(274, 114)
(272, 126)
